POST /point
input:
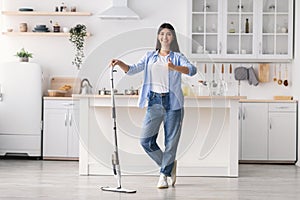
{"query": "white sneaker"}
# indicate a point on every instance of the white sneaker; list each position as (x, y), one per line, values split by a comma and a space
(173, 173)
(162, 182)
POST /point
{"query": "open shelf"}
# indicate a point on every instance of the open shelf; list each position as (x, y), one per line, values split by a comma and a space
(39, 34)
(43, 13)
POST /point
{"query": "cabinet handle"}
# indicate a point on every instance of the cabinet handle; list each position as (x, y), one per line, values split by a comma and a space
(66, 119)
(270, 124)
(70, 119)
(244, 115)
(260, 47)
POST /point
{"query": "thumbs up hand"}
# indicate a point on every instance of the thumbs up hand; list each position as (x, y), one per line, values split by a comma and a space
(170, 64)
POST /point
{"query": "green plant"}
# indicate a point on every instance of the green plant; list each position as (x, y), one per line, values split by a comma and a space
(77, 37)
(23, 54)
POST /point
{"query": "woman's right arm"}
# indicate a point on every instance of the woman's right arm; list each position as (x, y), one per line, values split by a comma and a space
(123, 66)
(135, 68)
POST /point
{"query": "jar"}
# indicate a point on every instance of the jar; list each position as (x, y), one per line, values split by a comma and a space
(23, 27)
(56, 28)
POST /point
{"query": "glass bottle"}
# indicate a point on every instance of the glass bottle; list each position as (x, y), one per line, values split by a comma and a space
(231, 27)
(247, 26)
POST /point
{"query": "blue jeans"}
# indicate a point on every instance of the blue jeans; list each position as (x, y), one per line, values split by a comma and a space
(158, 111)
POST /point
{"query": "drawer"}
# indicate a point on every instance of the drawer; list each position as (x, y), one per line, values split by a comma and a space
(282, 107)
(61, 104)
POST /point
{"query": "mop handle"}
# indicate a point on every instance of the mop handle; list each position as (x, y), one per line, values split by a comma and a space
(113, 92)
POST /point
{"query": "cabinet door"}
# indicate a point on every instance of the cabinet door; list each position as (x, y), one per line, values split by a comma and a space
(282, 136)
(73, 134)
(205, 27)
(55, 133)
(254, 131)
(240, 28)
(276, 29)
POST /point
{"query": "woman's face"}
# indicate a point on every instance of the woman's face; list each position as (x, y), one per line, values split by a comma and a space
(165, 37)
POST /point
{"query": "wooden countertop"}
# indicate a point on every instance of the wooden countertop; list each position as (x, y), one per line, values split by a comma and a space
(266, 101)
(136, 96)
(57, 98)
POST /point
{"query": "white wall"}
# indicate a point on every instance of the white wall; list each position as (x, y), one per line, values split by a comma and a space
(55, 54)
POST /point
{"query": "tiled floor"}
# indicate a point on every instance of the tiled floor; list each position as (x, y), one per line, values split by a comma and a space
(39, 180)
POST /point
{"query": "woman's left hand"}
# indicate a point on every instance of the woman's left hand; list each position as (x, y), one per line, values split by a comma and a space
(170, 64)
(181, 69)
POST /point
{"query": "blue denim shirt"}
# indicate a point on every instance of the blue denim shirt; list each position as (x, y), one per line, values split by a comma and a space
(176, 96)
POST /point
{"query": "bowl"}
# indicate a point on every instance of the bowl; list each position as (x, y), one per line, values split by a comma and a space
(10, 30)
(40, 26)
(131, 92)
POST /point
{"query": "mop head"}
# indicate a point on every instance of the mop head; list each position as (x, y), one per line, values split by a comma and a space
(122, 190)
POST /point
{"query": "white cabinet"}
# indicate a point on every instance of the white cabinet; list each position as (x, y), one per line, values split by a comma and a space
(60, 137)
(254, 131)
(268, 131)
(276, 28)
(241, 29)
(206, 27)
(282, 131)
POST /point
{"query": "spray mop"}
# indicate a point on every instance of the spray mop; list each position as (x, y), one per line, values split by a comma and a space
(115, 156)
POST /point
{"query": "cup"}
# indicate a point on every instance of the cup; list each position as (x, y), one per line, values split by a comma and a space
(200, 28)
(66, 29)
(200, 49)
(73, 8)
(213, 27)
(284, 30)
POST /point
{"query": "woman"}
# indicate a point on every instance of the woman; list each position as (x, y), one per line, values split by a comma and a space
(162, 89)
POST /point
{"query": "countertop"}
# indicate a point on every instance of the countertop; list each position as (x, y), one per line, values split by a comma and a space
(266, 101)
(243, 99)
(57, 98)
(136, 96)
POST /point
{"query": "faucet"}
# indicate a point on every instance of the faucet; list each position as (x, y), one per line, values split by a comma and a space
(85, 88)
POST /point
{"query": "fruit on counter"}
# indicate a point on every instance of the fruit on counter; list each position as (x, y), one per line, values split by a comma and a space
(65, 87)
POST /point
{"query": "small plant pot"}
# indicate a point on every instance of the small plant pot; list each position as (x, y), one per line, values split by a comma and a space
(24, 59)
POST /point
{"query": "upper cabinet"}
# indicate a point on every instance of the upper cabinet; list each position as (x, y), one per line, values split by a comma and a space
(276, 28)
(241, 30)
(206, 27)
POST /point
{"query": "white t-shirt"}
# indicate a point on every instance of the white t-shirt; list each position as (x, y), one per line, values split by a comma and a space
(160, 75)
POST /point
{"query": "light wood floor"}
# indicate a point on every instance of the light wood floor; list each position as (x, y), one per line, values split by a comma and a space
(31, 179)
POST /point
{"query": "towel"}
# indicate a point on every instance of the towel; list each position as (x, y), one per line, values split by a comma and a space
(252, 79)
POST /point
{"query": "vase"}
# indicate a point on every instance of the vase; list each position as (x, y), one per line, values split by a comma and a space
(23, 27)
(24, 59)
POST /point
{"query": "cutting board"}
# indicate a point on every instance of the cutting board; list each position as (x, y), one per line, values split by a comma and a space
(264, 73)
(57, 82)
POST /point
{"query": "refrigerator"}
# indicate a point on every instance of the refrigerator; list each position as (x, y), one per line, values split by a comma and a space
(20, 109)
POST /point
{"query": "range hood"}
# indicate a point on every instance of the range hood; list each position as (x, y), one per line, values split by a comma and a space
(119, 10)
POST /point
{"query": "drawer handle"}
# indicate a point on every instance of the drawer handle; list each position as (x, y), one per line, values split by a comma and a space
(68, 104)
(282, 107)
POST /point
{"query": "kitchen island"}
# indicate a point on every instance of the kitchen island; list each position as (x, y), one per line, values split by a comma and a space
(208, 144)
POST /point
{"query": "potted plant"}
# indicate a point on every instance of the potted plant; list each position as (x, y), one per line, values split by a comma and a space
(77, 37)
(23, 55)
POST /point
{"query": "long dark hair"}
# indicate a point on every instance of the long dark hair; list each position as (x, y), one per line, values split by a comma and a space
(174, 45)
